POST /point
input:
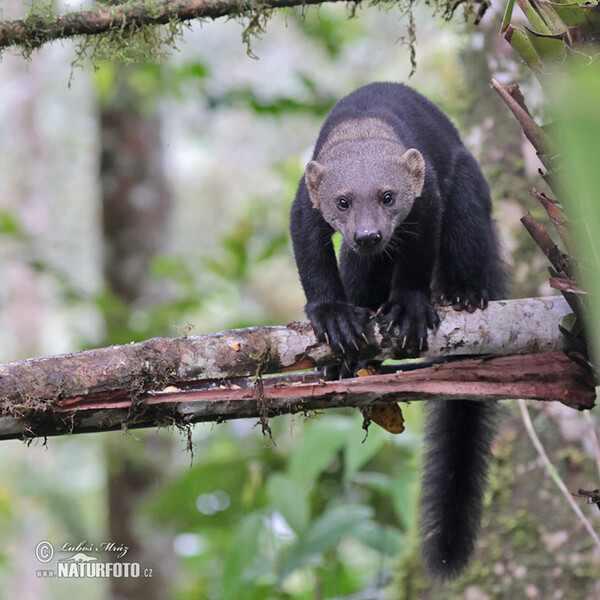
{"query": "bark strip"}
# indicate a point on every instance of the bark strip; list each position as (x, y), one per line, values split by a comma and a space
(550, 377)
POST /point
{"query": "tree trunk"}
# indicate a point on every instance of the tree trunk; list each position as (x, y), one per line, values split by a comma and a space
(136, 203)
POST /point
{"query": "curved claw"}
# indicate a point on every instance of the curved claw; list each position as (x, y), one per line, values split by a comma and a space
(340, 324)
(469, 298)
(413, 314)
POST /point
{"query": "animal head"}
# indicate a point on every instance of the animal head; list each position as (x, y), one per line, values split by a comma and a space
(365, 189)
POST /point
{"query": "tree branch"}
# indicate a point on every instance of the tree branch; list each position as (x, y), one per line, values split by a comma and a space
(560, 261)
(511, 94)
(551, 377)
(35, 30)
(108, 388)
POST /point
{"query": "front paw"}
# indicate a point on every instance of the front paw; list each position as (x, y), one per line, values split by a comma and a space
(340, 324)
(465, 298)
(412, 313)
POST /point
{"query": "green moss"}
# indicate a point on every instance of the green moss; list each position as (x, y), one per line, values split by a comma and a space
(132, 43)
(36, 20)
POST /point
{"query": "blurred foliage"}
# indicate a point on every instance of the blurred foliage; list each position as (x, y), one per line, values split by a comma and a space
(328, 510)
(322, 512)
(325, 29)
(577, 128)
(556, 31)
(155, 82)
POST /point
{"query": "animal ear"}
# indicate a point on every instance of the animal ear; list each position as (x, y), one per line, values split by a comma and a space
(414, 163)
(314, 175)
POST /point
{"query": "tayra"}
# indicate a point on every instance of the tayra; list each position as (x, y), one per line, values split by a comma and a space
(390, 173)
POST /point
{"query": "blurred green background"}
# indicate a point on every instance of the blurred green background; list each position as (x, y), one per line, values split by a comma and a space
(153, 200)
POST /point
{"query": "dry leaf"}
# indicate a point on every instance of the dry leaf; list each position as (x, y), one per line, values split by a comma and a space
(388, 416)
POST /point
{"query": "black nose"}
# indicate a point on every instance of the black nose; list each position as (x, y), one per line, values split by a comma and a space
(367, 238)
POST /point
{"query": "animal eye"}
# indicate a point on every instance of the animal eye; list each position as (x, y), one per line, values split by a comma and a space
(343, 203)
(387, 198)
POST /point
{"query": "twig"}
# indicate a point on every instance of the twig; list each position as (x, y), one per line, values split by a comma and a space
(557, 216)
(560, 261)
(513, 98)
(553, 473)
(562, 284)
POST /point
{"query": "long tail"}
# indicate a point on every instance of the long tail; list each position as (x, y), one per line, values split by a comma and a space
(458, 440)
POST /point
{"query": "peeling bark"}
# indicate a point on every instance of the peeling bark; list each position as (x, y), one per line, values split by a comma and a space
(550, 377)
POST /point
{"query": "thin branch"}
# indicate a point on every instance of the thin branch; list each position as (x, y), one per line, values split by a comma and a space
(511, 94)
(553, 473)
(560, 261)
(557, 216)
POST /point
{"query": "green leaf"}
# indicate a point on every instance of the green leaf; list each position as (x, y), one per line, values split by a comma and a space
(290, 499)
(358, 450)
(570, 14)
(530, 9)
(592, 14)
(325, 533)
(229, 476)
(404, 490)
(242, 553)
(574, 108)
(378, 482)
(507, 15)
(323, 439)
(542, 9)
(384, 539)
(521, 43)
(547, 48)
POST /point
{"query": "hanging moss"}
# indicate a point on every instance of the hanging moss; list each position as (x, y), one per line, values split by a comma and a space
(130, 43)
(135, 31)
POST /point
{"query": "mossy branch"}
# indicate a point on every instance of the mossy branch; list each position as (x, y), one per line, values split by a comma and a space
(40, 27)
(122, 21)
(220, 376)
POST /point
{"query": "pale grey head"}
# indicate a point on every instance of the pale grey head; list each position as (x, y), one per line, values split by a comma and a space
(365, 185)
